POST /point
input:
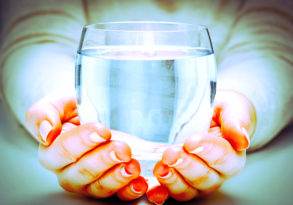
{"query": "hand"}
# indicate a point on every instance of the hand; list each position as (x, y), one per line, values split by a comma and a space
(83, 157)
(205, 161)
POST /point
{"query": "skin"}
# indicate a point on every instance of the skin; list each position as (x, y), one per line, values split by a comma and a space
(83, 157)
(87, 161)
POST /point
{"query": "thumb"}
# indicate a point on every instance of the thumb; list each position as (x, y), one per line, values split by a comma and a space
(236, 117)
(43, 121)
(236, 134)
(156, 193)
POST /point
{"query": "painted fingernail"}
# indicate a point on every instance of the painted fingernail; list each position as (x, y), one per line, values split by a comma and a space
(135, 190)
(164, 171)
(139, 185)
(177, 163)
(197, 150)
(114, 157)
(106, 133)
(44, 129)
(245, 133)
(158, 195)
(125, 172)
(167, 175)
(94, 137)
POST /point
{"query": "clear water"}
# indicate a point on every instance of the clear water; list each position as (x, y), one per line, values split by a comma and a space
(162, 94)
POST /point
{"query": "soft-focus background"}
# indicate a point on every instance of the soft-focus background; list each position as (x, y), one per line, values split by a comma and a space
(267, 178)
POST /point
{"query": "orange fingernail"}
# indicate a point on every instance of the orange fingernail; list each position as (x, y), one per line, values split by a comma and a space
(139, 185)
(158, 195)
(130, 168)
(124, 172)
(245, 133)
(114, 157)
(163, 171)
(105, 133)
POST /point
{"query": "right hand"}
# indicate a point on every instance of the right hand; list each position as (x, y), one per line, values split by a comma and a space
(83, 157)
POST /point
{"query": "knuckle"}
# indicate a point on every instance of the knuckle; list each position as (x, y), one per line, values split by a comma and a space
(65, 152)
(66, 185)
(97, 190)
(221, 158)
(87, 173)
(200, 179)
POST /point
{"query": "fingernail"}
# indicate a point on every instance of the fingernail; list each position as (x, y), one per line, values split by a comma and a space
(139, 185)
(166, 175)
(44, 129)
(164, 171)
(125, 172)
(94, 137)
(245, 133)
(197, 150)
(105, 132)
(158, 195)
(114, 157)
(135, 190)
(177, 163)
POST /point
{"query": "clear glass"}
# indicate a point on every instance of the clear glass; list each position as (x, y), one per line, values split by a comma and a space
(152, 83)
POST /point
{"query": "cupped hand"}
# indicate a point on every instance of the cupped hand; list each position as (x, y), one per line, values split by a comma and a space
(206, 160)
(83, 157)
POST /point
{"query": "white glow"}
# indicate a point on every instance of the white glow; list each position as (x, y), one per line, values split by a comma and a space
(149, 42)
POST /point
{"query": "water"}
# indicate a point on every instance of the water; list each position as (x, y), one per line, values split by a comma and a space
(162, 94)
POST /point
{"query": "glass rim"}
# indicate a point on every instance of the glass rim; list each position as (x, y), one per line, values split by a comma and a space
(176, 26)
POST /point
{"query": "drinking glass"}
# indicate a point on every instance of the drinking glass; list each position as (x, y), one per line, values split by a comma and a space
(152, 83)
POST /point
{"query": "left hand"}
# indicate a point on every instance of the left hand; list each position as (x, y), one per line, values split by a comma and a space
(205, 161)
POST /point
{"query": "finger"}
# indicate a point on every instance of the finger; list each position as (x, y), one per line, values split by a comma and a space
(158, 194)
(71, 145)
(116, 178)
(192, 168)
(67, 126)
(237, 120)
(94, 164)
(233, 132)
(135, 189)
(177, 187)
(75, 120)
(44, 119)
(216, 152)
